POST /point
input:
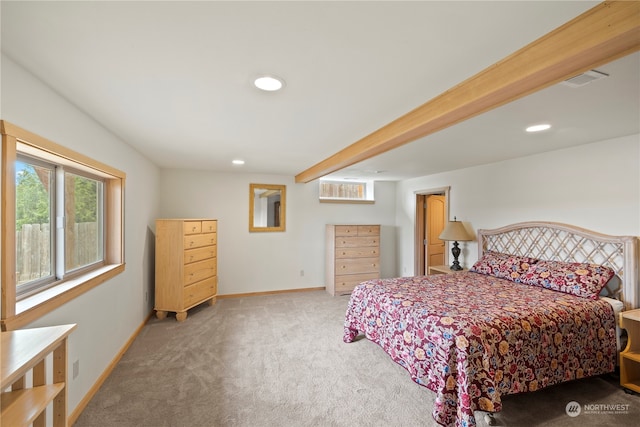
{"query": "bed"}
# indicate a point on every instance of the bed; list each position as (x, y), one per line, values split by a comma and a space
(538, 308)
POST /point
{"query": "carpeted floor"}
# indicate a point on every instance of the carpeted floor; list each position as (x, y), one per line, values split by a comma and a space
(279, 360)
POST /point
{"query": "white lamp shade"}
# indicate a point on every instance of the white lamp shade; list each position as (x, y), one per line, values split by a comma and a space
(454, 230)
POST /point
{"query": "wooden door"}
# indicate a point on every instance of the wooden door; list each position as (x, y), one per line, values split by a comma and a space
(434, 224)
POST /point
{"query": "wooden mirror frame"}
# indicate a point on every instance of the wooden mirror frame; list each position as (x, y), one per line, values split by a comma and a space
(281, 211)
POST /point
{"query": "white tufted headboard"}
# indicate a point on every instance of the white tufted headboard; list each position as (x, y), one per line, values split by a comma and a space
(561, 242)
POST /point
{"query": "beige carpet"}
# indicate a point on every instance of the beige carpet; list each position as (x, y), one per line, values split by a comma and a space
(279, 360)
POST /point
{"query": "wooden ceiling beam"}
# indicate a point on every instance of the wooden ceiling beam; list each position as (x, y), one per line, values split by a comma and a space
(604, 33)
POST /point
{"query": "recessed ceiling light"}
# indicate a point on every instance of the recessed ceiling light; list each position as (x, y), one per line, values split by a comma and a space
(238, 162)
(269, 83)
(538, 128)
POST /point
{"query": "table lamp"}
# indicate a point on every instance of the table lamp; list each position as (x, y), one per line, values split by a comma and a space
(454, 231)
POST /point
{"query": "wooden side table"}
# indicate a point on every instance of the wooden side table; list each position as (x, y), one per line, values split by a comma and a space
(443, 269)
(630, 356)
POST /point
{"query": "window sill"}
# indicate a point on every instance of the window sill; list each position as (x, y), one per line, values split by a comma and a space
(355, 201)
(32, 307)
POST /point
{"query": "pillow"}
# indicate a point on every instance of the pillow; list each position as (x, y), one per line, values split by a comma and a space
(581, 279)
(503, 266)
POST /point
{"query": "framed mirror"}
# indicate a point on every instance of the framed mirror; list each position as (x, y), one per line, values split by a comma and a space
(267, 207)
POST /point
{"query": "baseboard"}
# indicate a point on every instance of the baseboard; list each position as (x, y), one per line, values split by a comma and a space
(73, 416)
(284, 291)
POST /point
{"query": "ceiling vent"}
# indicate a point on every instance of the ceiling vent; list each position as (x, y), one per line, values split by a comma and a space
(584, 78)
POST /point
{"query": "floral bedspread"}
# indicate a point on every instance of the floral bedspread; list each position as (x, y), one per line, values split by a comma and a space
(473, 338)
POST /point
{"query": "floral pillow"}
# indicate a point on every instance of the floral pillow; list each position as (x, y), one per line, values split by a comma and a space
(503, 266)
(581, 279)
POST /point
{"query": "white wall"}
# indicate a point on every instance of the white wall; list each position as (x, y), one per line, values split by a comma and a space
(594, 186)
(108, 315)
(255, 262)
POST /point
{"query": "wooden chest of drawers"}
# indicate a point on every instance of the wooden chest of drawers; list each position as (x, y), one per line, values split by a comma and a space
(186, 265)
(352, 256)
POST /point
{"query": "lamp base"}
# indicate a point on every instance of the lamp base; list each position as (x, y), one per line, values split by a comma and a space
(456, 253)
(456, 266)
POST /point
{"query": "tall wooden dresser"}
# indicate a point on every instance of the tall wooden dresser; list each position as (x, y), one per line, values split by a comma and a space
(352, 256)
(186, 265)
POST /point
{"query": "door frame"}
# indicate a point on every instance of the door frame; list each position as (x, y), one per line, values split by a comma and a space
(419, 230)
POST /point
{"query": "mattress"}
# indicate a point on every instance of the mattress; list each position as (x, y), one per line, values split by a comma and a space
(617, 306)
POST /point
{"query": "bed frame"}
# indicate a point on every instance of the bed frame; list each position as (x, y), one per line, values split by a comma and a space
(552, 241)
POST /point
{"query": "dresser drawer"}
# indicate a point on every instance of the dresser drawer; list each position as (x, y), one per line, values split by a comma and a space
(368, 230)
(199, 240)
(209, 226)
(200, 270)
(346, 230)
(199, 254)
(356, 242)
(361, 252)
(358, 265)
(347, 283)
(200, 291)
(192, 227)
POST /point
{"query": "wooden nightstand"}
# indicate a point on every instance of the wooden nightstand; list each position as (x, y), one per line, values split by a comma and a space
(443, 269)
(630, 356)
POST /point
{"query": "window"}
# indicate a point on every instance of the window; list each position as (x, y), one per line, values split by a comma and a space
(83, 226)
(35, 182)
(346, 191)
(62, 225)
(47, 196)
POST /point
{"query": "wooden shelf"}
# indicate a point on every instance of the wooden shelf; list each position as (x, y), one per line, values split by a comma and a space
(25, 350)
(631, 315)
(630, 356)
(635, 386)
(22, 407)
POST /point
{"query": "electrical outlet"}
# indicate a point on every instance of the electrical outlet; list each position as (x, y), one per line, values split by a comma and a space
(76, 368)
(301, 273)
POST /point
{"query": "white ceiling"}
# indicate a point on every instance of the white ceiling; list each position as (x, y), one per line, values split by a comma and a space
(173, 79)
